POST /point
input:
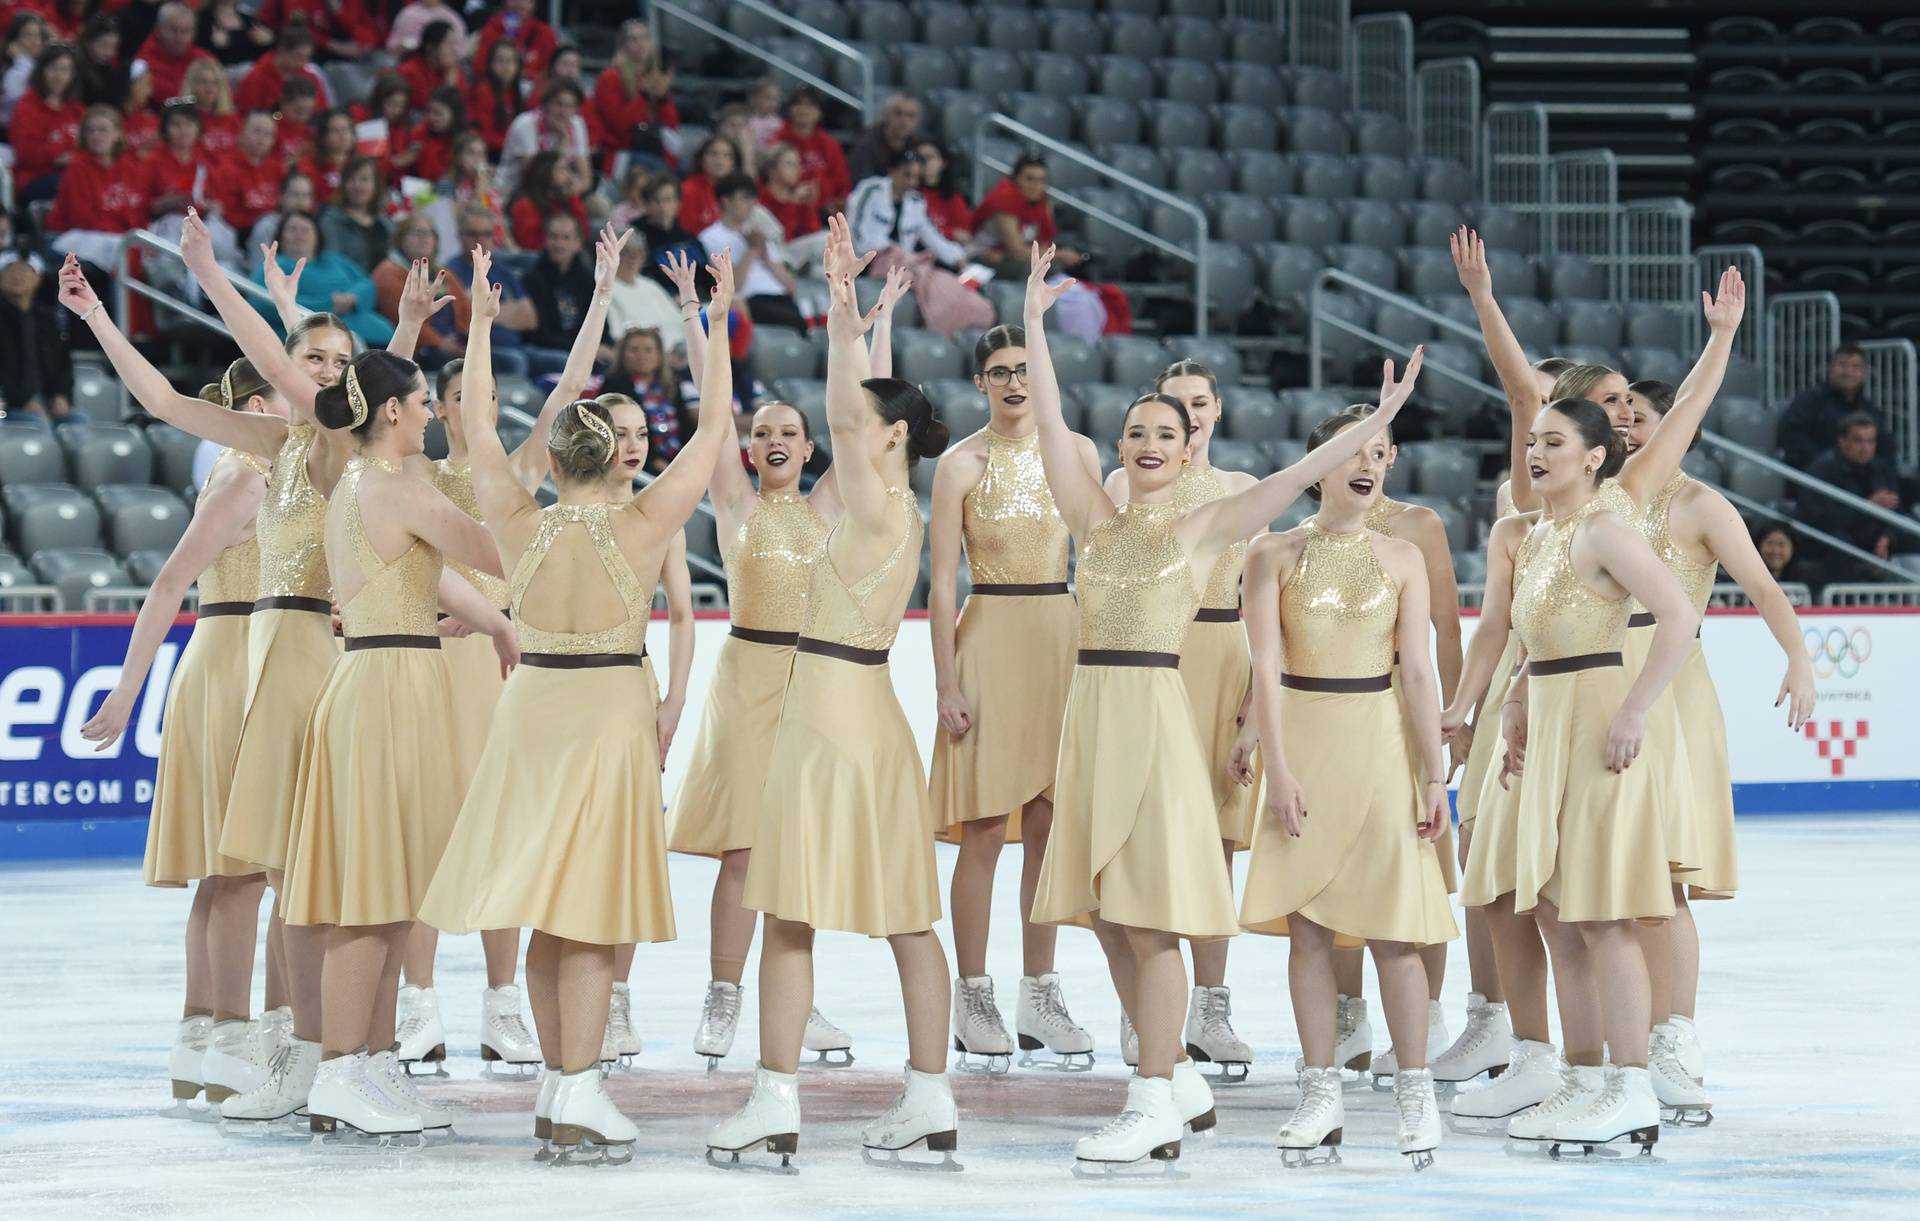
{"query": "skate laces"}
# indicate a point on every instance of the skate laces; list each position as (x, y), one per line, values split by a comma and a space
(620, 1020)
(1570, 1089)
(510, 1025)
(1318, 1092)
(1215, 1016)
(980, 1006)
(1121, 1124)
(1416, 1105)
(411, 1026)
(1052, 1003)
(1344, 1024)
(723, 1004)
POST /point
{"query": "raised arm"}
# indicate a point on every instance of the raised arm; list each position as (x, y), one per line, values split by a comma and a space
(420, 300)
(1496, 620)
(220, 516)
(530, 456)
(858, 482)
(675, 494)
(1508, 357)
(1648, 470)
(249, 431)
(678, 583)
(732, 490)
(1269, 563)
(1727, 538)
(445, 527)
(1226, 521)
(1418, 691)
(257, 341)
(500, 494)
(1625, 556)
(880, 341)
(283, 288)
(1083, 504)
(958, 471)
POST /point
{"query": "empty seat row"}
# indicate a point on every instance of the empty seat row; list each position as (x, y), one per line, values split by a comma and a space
(1072, 73)
(1014, 29)
(128, 517)
(1288, 270)
(1759, 30)
(927, 357)
(1173, 125)
(92, 455)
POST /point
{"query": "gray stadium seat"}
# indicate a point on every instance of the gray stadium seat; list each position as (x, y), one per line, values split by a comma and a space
(1247, 456)
(74, 571)
(1657, 364)
(1388, 179)
(141, 517)
(1702, 465)
(144, 566)
(1743, 378)
(1379, 135)
(929, 68)
(1306, 407)
(1048, 115)
(173, 452)
(1287, 270)
(108, 453)
(1058, 73)
(1368, 263)
(809, 397)
(1262, 173)
(1451, 519)
(1426, 272)
(1323, 176)
(1652, 325)
(1373, 223)
(1240, 126)
(1513, 274)
(1187, 80)
(1138, 36)
(1535, 325)
(1249, 413)
(1255, 85)
(1231, 277)
(1443, 469)
(1194, 8)
(1075, 33)
(948, 25)
(1146, 8)
(1199, 171)
(1284, 452)
(1454, 401)
(1402, 327)
(1200, 40)
(1568, 275)
(1139, 160)
(924, 356)
(1104, 120)
(1429, 223)
(1217, 354)
(1502, 229)
(826, 16)
(1240, 218)
(1009, 300)
(1448, 182)
(1110, 241)
(1312, 130)
(1009, 29)
(1133, 361)
(960, 112)
(30, 455)
(782, 352)
(1075, 360)
(1259, 42)
(1745, 421)
(1319, 88)
(1310, 222)
(1590, 354)
(1598, 323)
(43, 515)
(749, 24)
(1176, 124)
(1342, 349)
(1106, 413)
(1756, 482)
(518, 392)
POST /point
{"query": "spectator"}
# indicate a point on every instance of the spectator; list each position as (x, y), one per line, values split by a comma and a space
(354, 223)
(178, 177)
(1810, 422)
(206, 88)
(26, 39)
(555, 127)
(331, 152)
(249, 181)
(65, 18)
(1780, 552)
(632, 204)
(170, 50)
(299, 103)
(638, 302)
(517, 24)
(479, 227)
(766, 286)
(412, 23)
(444, 335)
(437, 62)
(1017, 213)
(266, 83)
(824, 162)
(561, 288)
(940, 187)
(763, 113)
(715, 159)
(446, 122)
(342, 28)
(231, 34)
(793, 200)
(550, 187)
(468, 183)
(46, 124)
(101, 196)
(731, 122)
(633, 99)
(640, 371)
(878, 145)
(383, 127)
(500, 96)
(103, 77)
(1856, 465)
(36, 366)
(330, 283)
(299, 192)
(661, 229)
(889, 215)
(139, 125)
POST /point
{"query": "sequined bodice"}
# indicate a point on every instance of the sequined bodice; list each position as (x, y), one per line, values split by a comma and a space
(1199, 485)
(234, 575)
(1339, 609)
(1657, 525)
(838, 612)
(456, 484)
(399, 597)
(292, 526)
(1135, 584)
(1013, 532)
(627, 636)
(1380, 516)
(1503, 505)
(770, 564)
(1554, 611)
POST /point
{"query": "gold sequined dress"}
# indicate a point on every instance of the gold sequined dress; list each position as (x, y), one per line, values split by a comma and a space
(200, 729)
(1484, 754)
(1013, 645)
(1359, 867)
(845, 839)
(1136, 834)
(290, 649)
(472, 664)
(374, 804)
(1586, 839)
(562, 830)
(770, 566)
(1216, 664)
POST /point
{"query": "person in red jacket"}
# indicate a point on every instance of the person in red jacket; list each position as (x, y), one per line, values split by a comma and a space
(435, 63)
(298, 104)
(333, 148)
(633, 97)
(787, 194)
(515, 23)
(500, 96)
(206, 87)
(1017, 213)
(139, 125)
(716, 158)
(940, 187)
(265, 83)
(446, 122)
(341, 28)
(248, 183)
(177, 177)
(552, 184)
(822, 160)
(102, 195)
(169, 51)
(46, 124)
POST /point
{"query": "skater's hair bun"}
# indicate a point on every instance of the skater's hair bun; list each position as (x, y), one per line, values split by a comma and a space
(994, 340)
(1330, 427)
(896, 401)
(1595, 430)
(1165, 400)
(371, 381)
(582, 441)
(449, 377)
(238, 384)
(1187, 368)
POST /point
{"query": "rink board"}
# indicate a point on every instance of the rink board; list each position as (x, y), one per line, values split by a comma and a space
(60, 798)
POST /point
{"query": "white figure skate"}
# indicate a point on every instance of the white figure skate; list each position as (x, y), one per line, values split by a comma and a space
(1311, 1136)
(385, 1071)
(924, 1112)
(543, 1113)
(1352, 1037)
(236, 1062)
(770, 1120)
(1211, 1038)
(831, 1045)
(1580, 1086)
(347, 1108)
(625, 1040)
(1147, 1129)
(977, 1028)
(1532, 1074)
(290, 1077)
(587, 1128)
(719, 1018)
(1686, 1045)
(1419, 1115)
(1483, 1047)
(422, 1039)
(1624, 1118)
(1684, 1103)
(1386, 1065)
(1129, 1042)
(1043, 1024)
(504, 1037)
(1193, 1097)
(184, 1066)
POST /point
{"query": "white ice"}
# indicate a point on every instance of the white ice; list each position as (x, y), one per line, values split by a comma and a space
(1808, 997)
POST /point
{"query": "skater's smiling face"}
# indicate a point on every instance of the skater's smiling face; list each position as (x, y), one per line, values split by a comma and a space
(1358, 483)
(630, 439)
(1572, 448)
(1154, 443)
(323, 350)
(779, 446)
(1197, 394)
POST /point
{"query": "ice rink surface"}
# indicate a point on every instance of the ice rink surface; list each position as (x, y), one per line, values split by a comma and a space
(1809, 990)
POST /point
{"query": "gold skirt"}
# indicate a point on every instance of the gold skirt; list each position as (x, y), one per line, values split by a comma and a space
(1484, 755)
(1492, 850)
(574, 846)
(1217, 670)
(375, 801)
(717, 807)
(1710, 800)
(845, 839)
(1588, 840)
(199, 733)
(1664, 753)
(1013, 657)
(289, 655)
(1359, 867)
(1443, 848)
(1135, 835)
(473, 669)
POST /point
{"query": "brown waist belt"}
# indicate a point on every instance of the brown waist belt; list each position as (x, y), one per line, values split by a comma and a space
(214, 610)
(757, 636)
(842, 652)
(1646, 619)
(1129, 657)
(1217, 614)
(319, 606)
(356, 643)
(1002, 590)
(1569, 665)
(1338, 686)
(443, 616)
(582, 661)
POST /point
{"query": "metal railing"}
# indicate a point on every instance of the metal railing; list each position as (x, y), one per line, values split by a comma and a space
(1842, 594)
(127, 599)
(1447, 111)
(1893, 381)
(1320, 321)
(1750, 341)
(1515, 162)
(986, 160)
(29, 599)
(1655, 263)
(1803, 329)
(1380, 66)
(866, 103)
(1800, 479)
(1317, 32)
(1726, 594)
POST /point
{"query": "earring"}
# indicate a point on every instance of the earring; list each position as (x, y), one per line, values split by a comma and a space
(890, 445)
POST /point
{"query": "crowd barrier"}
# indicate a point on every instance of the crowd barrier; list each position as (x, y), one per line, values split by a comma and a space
(61, 798)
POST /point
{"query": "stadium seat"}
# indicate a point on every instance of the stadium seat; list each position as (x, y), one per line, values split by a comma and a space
(827, 16)
(1131, 34)
(982, 71)
(1426, 272)
(1008, 29)
(1240, 126)
(1075, 33)
(960, 113)
(1368, 263)
(1744, 379)
(1702, 465)
(1313, 130)
(1048, 115)
(1652, 325)
(1236, 218)
(141, 517)
(30, 455)
(1306, 407)
(1195, 8)
(1249, 413)
(1388, 179)
(1138, 160)
(107, 453)
(1470, 567)
(1075, 360)
(75, 571)
(515, 391)
(1133, 361)
(1104, 120)
(1263, 173)
(1319, 88)
(1430, 221)
(1590, 322)
(1373, 223)
(780, 352)
(948, 25)
(1655, 364)
(1247, 456)
(1217, 354)
(1745, 421)
(1590, 354)
(1287, 270)
(1379, 135)
(1231, 280)
(1197, 39)
(144, 566)
(44, 515)
(1454, 400)
(1106, 414)
(1402, 327)
(1535, 324)
(1187, 80)
(1442, 468)
(1309, 222)
(1060, 74)
(1568, 275)
(1199, 171)
(1259, 42)
(1755, 482)
(1342, 349)
(1502, 229)
(1108, 240)
(1256, 85)
(1447, 182)
(809, 397)
(924, 356)
(1177, 124)
(1323, 176)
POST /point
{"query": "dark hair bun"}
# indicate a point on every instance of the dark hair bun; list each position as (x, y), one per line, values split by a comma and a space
(929, 440)
(903, 401)
(331, 406)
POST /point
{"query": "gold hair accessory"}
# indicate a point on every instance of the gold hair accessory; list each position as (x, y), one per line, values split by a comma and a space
(599, 427)
(356, 398)
(226, 388)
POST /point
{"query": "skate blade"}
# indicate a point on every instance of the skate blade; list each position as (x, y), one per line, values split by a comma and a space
(1224, 1072)
(1476, 1125)
(292, 1125)
(783, 1146)
(1062, 1061)
(943, 1143)
(1326, 1153)
(831, 1057)
(713, 1061)
(589, 1153)
(185, 1109)
(1686, 1117)
(1159, 1165)
(1419, 1159)
(431, 1063)
(351, 1141)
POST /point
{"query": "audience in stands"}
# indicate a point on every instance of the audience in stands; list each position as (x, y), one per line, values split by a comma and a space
(433, 140)
(333, 146)
(555, 127)
(641, 372)
(104, 73)
(786, 193)
(763, 113)
(139, 125)
(1810, 422)
(551, 186)
(36, 367)
(880, 144)
(354, 222)
(299, 192)
(292, 56)
(661, 228)
(102, 197)
(638, 302)
(1017, 213)
(298, 105)
(233, 35)
(170, 50)
(1785, 562)
(46, 124)
(206, 89)
(560, 285)
(26, 40)
(444, 335)
(940, 187)
(1855, 464)
(821, 157)
(715, 159)
(410, 25)
(436, 62)
(468, 184)
(888, 214)
(501, 96)
(516, 23)
(330, 282)
(344, 29)
(759, 258)
(480, 227)
(249, 181)
(633, 101)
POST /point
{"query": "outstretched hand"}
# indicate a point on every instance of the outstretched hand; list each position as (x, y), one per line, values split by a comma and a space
(1470, 262)
(840, 259)
(1040, 294)
(606, 257)
(1725, 309)
(196, 247)
(685, 274)
(75, 293)
(721, 270)
(899, 283)
(423, 297)
(283, 286)
(1394, 392)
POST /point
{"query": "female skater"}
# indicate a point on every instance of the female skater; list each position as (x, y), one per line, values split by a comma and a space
(215, 1049)
(1135, 841)
(845, 840)
(1002, 674)
(584, 571)
(1587, 852)
(1217, 670)
(1334, 610)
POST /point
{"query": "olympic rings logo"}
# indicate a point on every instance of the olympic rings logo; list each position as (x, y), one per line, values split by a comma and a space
(1838, 652)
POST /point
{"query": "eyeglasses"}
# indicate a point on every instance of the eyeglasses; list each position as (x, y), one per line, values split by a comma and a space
(1001, 375)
